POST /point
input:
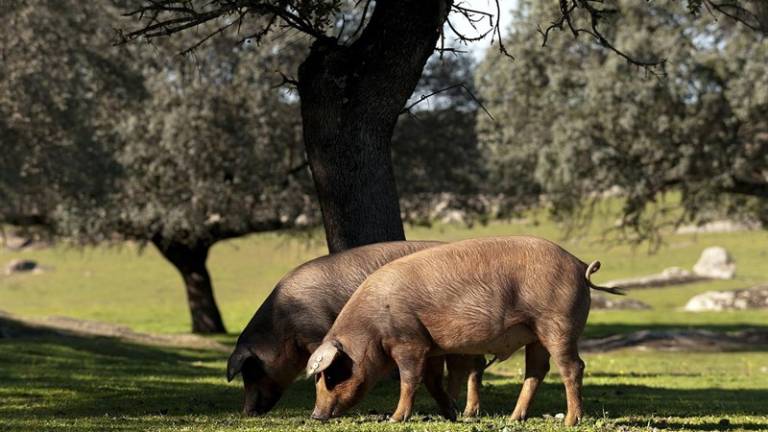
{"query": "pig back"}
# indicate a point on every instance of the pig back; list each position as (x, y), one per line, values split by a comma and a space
(307, 300)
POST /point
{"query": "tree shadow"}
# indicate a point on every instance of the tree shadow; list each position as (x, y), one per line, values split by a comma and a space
(46, 372)
(751, 338)
(627, 400)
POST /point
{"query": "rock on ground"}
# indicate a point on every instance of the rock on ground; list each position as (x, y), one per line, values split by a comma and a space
(601, 302)
(715, 262)
(669, 276)
(750, 298)
(720, 226)
(22, 266)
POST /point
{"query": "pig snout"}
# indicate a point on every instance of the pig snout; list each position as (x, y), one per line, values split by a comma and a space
(318, 414)
(260, 399)
(322, 414)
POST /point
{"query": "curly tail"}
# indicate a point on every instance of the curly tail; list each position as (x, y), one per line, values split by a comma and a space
(595, 266)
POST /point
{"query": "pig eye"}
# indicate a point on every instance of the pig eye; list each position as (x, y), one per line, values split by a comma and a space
(253, 369)
(330, 381)
(339, 371)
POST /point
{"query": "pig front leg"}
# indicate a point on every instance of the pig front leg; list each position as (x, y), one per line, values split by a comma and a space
(469, 369)
(536, 368)
(458, 371)
(411, 362)
(474, 382)
(433, 380)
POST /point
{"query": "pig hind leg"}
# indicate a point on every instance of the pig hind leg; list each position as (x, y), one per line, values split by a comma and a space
(536, 368)
(433, 380)
(564, 350)
(572, 371)
(411, 362)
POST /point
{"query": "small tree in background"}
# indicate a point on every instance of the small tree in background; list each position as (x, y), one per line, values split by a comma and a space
(575, 121)
(178, 153)
(61, 92)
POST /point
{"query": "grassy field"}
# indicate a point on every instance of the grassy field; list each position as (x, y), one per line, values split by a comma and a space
(51, 381)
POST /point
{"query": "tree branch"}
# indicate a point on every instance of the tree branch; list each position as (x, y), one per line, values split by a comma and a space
(568, 8)
(167, 17)
(422, 98)
(739, 14)
(749, 188)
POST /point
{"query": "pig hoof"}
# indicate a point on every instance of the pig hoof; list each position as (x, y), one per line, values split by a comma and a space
(518, 417)
(470, 412)
(395, 418)
(450, 415)
(571, 421)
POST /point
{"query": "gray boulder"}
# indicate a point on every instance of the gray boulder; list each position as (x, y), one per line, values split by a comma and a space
(750, 298)
(715, 262)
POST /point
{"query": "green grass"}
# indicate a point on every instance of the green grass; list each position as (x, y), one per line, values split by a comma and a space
(53, 381)
(58, 382)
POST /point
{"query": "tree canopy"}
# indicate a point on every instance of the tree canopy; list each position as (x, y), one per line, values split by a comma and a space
(575, 121)
(136, 143)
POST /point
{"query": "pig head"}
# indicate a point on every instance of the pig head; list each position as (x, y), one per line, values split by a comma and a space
(340, 380)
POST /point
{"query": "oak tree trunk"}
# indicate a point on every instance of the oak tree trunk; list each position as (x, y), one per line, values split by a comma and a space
(190, 262)
(351, 97)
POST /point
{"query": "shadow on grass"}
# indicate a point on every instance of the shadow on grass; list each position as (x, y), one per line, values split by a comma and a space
(51, 374)
(627, 400)
(609, 329)
(721, 425)
(47, 372)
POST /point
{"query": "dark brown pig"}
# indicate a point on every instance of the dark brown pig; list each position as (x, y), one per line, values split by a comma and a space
(482, 296)
(275, 345)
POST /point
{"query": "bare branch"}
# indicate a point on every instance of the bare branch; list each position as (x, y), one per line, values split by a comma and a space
(475, 16)
(463, 86)
(286, 80)
(167, 17)
(739, 14)
(362, 19)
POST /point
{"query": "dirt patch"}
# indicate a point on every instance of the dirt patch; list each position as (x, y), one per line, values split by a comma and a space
(12, 326)
(681, 340)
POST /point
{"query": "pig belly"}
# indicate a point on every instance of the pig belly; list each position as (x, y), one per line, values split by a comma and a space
(479, 339)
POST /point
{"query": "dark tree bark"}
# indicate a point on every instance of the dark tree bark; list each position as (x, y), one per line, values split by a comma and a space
(190, 262)
(351, 97)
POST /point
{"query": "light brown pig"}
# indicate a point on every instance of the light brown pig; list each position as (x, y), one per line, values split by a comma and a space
(275, 345)
(482, 296)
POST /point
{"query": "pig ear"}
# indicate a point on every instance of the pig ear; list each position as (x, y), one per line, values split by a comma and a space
(323, 357)
(236, 360)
